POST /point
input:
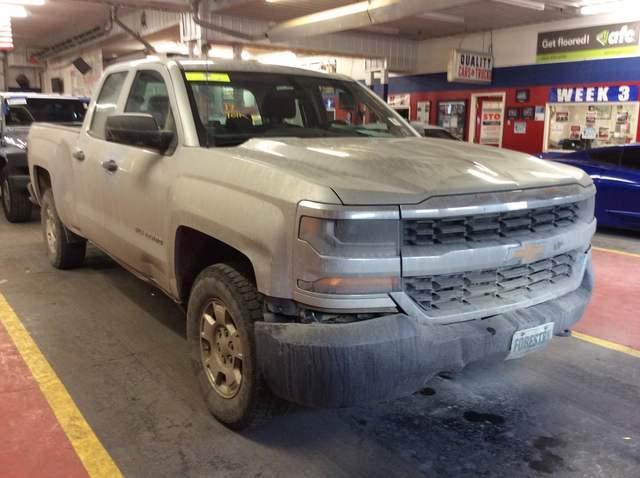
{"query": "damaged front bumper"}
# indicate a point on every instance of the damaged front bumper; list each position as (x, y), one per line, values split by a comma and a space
(337, 365)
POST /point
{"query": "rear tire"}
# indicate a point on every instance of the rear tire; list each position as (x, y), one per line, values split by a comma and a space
(65, 249)
(222, 309)
(15, 203)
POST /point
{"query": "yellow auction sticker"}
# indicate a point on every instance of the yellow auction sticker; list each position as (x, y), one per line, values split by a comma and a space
(207, 76)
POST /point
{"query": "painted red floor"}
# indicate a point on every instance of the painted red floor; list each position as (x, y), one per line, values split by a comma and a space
(32, 443)
(614, 312)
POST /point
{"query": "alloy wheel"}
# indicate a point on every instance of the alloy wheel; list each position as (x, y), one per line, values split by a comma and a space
(221, 349)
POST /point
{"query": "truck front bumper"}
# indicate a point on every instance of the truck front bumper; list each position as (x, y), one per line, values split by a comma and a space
(338, 365)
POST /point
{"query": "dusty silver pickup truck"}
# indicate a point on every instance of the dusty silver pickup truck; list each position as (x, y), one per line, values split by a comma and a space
(327, 254)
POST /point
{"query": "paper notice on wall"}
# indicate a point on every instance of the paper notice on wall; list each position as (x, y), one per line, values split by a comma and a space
(575, 131)
(520, 127)
(424, 108)
(491, 125)
(539, 115)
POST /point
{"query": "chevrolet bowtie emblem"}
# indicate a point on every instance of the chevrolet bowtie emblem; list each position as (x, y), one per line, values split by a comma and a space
(528, 252)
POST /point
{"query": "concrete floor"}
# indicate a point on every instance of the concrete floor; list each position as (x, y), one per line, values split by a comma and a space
(119, 347)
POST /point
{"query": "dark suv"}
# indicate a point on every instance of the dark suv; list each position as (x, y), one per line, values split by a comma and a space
(18, 112)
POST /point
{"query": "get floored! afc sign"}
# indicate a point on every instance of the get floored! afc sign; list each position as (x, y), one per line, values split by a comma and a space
(470, 67)
(620, 39)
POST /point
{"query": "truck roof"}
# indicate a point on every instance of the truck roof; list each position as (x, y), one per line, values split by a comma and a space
(28, 94)
(226, 65)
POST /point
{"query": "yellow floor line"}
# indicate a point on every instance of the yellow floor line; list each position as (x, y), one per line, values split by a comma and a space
(615, 251)
(94, 457)
(606, 344)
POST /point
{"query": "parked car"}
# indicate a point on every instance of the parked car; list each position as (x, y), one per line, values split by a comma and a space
(615, 171)
(320, 261)
(432, 131)
(17, 112)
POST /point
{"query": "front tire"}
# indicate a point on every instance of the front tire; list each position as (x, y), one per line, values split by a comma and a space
(222, 309)
(65, 249)
(15, 203)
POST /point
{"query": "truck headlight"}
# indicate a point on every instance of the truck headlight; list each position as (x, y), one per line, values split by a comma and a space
(348, 250)
(351, 237)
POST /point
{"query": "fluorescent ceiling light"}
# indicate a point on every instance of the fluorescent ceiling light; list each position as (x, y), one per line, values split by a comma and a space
(286, 58)
(628, 6)
(24, 2)
(530, 4)
(442, 17)
(15, 11)
(222, 52)
(352, 9)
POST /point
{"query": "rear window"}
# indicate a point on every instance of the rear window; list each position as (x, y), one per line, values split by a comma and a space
(24, 111)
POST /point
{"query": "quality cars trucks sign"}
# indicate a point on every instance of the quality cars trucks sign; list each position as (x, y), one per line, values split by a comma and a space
(470, 67)
(620, 39)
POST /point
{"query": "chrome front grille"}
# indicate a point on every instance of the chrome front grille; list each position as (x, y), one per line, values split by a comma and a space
(488, 227)
(489, 288)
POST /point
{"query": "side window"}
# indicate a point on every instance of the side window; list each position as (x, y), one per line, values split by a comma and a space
(149, 95)
(106, 103)
(606, 156)
(631, 158)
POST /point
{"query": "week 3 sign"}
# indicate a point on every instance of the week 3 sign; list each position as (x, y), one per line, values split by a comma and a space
(593, 94)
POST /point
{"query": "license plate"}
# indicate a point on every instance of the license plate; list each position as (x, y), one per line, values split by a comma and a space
(529, 340)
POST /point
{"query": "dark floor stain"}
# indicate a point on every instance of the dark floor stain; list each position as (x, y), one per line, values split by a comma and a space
(548, 463)
(476, 417)
(360, 421)
(491, 330)
(544, 442)
(447, 375)
(428, 391)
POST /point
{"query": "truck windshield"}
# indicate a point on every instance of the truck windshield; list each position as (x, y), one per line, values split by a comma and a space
(24, 111)
(231, 108)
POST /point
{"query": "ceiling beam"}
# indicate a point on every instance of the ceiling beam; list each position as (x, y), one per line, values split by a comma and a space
(357, 15)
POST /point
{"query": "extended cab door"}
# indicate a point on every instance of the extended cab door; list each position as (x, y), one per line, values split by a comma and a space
(140, 185)
(91, 180)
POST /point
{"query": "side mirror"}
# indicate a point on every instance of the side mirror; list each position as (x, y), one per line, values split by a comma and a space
(138, 129)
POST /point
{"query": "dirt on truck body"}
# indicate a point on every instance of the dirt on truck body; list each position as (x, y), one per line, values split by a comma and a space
(326, 253)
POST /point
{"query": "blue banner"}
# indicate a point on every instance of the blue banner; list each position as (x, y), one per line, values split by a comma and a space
(593, 94)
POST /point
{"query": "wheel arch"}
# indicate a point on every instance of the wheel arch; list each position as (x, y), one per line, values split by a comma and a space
(196, 250)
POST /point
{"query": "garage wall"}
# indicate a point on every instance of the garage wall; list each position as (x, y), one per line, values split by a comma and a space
(18, 63)
(75, 83)
(511, 46)
(538, 79)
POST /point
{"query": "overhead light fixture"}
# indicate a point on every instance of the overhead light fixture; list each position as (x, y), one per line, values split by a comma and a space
(627, 6)
(27, 3)
(6, 37)
(442, 17)
(12, 11)
(222, 52)
(530, 4)
(284, 58)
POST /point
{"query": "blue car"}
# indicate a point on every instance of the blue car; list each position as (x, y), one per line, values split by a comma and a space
(615, 170)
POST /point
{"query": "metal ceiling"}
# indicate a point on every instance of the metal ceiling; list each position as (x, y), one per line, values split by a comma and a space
(59, 20)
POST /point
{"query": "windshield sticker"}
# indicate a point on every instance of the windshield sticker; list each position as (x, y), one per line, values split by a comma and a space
(207, 76)
(16, 101)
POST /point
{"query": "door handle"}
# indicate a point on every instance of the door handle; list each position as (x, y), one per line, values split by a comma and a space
(110, 166)
(78, 154)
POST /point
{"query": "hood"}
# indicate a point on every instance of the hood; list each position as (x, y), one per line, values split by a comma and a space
(406, 170)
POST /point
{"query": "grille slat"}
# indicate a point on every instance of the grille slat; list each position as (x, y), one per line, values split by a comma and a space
(487, 227)
(441, 294)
